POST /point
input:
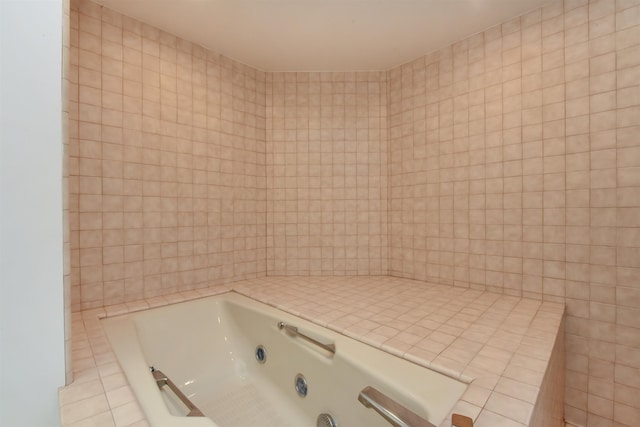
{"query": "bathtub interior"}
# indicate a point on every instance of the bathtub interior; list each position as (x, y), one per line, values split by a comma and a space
(208, 348)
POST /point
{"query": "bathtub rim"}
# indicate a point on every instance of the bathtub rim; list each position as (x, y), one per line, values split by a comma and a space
(93, 361)
(446, 371)
(140, 380)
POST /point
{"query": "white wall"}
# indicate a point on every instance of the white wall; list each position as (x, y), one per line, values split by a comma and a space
(31, 263)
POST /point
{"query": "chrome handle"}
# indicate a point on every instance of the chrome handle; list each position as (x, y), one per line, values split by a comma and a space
(162, 380)
(331, 348)
(392, 411)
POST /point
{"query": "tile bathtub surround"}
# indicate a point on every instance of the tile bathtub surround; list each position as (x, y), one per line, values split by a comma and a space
(506, 346)
(515, 167)
(166, 163)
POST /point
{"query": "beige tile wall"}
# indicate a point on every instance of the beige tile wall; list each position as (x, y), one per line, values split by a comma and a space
(509, 161)
(515, 167)
(327, 173)
(167, 163)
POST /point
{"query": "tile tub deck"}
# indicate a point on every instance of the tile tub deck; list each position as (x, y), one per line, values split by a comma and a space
(502, 345)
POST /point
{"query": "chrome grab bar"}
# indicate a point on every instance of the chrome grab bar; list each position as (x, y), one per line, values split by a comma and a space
(162, 380)
(392, 411)
(331, 348)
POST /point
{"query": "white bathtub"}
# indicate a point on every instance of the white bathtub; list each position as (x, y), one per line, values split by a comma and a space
(208, 346)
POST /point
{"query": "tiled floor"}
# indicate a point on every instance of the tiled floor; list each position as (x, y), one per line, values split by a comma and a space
(501, 344)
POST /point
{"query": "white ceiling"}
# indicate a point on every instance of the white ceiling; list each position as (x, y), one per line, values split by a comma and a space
(323, 35)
